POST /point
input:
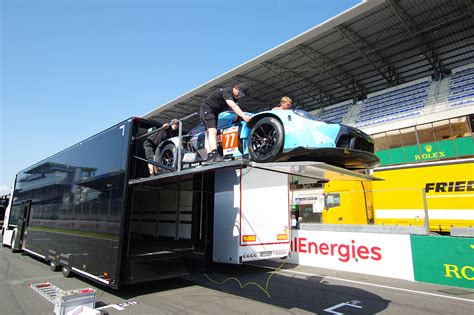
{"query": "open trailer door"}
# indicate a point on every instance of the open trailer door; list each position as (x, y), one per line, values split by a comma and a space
(252, 216)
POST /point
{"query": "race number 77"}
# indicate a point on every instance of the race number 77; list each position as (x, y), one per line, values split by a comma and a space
(229, 138)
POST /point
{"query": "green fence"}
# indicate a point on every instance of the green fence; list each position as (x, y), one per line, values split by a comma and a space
(443, 260)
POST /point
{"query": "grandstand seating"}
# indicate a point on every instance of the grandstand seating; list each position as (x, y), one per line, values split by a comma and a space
(461, 91)
(336, 113)
(398, 103)
(408, 100)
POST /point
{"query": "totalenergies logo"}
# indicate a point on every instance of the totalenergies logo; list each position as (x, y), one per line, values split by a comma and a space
(343, 252)
(460, 272)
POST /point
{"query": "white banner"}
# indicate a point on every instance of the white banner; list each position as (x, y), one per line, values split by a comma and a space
(386, 255)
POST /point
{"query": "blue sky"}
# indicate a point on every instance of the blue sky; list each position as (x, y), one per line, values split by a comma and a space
(71, 68)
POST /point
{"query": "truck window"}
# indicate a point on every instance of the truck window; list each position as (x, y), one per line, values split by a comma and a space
(332, 200)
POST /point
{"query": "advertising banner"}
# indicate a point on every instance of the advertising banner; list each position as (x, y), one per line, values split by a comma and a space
(384, 255)
(444, 260)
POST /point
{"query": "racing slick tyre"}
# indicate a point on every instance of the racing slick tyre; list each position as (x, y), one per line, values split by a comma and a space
(169, 156)
(266, 140)
(66, 271)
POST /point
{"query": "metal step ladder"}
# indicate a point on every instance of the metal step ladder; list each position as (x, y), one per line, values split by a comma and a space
(66, 301)
(47, 290)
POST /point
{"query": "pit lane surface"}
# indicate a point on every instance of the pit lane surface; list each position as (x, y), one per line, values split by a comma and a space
(292, 290)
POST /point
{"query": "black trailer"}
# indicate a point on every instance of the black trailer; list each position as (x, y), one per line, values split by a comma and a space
(76, 210)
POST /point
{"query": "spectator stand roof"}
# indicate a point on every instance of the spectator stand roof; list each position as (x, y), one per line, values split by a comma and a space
(369, 47)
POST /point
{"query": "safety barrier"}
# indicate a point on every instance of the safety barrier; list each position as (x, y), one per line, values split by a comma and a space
(426, 258)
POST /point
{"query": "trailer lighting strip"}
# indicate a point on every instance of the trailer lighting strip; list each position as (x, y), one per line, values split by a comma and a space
(249, 238)
(282, 237)
(90, 275)
(33, 253)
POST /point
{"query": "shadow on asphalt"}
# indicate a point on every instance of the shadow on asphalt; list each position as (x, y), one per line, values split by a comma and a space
(289, 291)
(312, 294)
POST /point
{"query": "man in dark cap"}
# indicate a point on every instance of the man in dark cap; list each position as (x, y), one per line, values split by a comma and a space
(152, 142)
(218, 101)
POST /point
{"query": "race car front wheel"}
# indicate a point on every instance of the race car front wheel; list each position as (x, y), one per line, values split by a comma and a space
(266, 140)
(169, 156)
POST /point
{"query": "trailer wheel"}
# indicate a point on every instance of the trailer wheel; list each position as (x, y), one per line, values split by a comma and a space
(53, 266)
(13, 250)
(266, 140)
(169, 156)
(66, 271)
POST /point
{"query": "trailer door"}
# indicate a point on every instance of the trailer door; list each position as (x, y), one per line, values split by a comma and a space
(264, 210)
(22, 225)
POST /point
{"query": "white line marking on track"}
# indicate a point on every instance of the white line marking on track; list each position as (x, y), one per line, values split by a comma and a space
(332, 309)
(368, 284)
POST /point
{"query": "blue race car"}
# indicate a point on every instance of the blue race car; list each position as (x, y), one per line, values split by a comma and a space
(276, 135)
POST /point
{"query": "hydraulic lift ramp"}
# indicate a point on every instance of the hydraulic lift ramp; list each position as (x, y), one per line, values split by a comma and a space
(251, 213)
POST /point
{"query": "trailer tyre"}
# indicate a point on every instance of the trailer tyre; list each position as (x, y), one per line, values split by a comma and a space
(3, 232)
(169, 156)
(13, 250)
(66, 271)
(53, 266)
(266, 140)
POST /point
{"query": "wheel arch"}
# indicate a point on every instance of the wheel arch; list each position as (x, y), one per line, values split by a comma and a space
(257, 117)
(173, 140)
(246, 131)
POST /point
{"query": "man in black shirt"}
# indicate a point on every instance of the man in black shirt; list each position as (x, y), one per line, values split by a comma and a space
(218, 101)
(152, 142)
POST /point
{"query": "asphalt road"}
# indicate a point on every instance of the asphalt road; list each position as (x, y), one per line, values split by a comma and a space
(291, 290)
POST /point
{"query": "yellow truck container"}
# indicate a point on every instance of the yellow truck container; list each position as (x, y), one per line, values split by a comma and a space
(347, 202)
(398, 199)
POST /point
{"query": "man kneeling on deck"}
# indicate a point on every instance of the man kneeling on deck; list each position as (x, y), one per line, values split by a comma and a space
(152, 142)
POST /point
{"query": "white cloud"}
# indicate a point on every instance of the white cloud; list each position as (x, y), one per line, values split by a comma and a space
(4, 190)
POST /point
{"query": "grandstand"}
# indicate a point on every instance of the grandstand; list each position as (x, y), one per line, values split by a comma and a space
(461, 91)
(417, 98)
(396, 103)
(410, 99)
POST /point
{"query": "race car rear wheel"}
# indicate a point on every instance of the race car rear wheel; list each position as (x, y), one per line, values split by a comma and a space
(266, 140)
(169, 156)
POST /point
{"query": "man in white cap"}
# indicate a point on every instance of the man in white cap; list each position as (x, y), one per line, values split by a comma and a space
(152, 142)
(218, 101)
